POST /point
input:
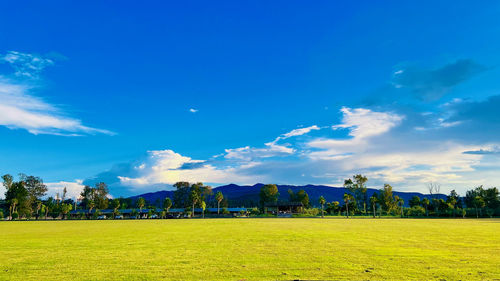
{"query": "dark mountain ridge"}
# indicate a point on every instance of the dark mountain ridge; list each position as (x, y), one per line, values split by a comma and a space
(248, 195)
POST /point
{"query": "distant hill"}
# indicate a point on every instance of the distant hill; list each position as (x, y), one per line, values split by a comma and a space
(248, 195)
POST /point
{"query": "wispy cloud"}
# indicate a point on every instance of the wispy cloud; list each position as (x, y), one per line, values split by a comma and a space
(27, 65)
(192, 110)
(21, 109)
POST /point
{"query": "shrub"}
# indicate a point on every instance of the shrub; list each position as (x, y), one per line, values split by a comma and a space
(311, 212)
(416, 211)
(15, 215)
(254, 211)
(225, 211)
(1, 214)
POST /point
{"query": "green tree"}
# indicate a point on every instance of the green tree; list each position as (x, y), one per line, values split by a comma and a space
(322, 202)
(65, 209)
(21, 205)
(167, 204)
(268, 194)
(101, 196)
(194, 198)
(357, 188)
(414, 201)
(452, 200)
(301, 196)
(12, 209)
(332, 207)
(203, 207)
(426, 203)
(35, 188)
(140, 204)
(386, 198)
(181, 194)
(38, 207)
(7, 181)
(219, 197)
(400, 203)
(479, 203)
(43, 210)
(348, 198)
(491, 198)
(115, 204)
(373, 202)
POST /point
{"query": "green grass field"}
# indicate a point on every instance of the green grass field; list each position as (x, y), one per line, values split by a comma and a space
(251, 249)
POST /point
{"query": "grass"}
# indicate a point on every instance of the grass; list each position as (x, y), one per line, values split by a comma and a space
(252, 249)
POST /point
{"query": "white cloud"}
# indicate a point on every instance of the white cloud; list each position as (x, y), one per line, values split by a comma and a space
(192, 110)
(365, 123)
(73, 189)
(270, 149)
(27, 65)
(167, 167)
(20, 109)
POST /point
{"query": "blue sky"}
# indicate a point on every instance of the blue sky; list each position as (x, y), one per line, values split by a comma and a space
(141, 95)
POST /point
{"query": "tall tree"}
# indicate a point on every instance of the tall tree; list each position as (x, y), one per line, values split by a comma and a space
(203, 207)
(140, 204)
(386, 198)
(115, 204)
(347, 200)
(12, 209)
(17, 196)
(452, 200)
(322, 202)
(65, 191)
(101, 196)
(219, 197)
(181, 194)
(426, 203)
(167, 204)
(400, 203)
(268, 194)
(373, 202)
(357, 188)
(7, 181)
(194, 198)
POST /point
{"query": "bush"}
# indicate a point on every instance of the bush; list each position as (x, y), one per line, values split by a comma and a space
(311, 212)
(225, 211)
(416, 211)
(15, 215)
(1, 214)
(254, 211)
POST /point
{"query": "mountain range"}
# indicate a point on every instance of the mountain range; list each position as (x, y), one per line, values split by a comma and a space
(248, 195)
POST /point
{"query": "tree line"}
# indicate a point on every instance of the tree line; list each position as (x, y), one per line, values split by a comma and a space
(477, 202)
(25, 198)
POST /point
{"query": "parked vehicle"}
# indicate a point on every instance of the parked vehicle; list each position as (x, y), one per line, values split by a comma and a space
(102, 217)
(119, 217)
(154, 216)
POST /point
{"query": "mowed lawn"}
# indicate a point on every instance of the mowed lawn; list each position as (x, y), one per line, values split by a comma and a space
(251, 249)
